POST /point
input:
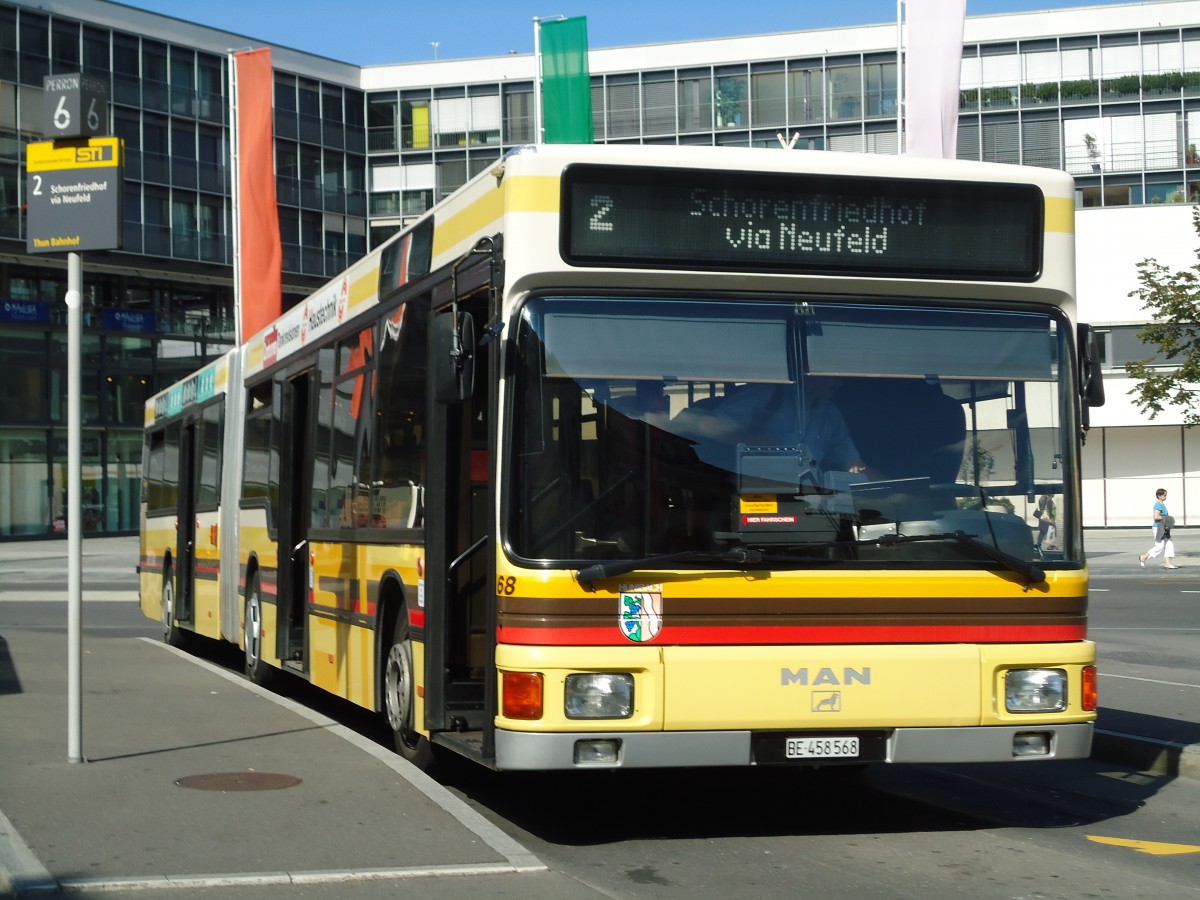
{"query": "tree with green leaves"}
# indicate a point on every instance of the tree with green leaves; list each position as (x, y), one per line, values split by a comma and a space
(1172, 300)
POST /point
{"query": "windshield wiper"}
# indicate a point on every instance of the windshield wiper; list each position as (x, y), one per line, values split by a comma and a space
(616, 567)
(741, 555)
(1033, 574)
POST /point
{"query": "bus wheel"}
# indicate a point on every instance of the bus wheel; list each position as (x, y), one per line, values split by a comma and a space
(172, 633)
(399, 691)
(252, 635)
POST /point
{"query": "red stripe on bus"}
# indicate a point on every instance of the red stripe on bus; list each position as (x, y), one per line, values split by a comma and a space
(717, 635)
(416, 618)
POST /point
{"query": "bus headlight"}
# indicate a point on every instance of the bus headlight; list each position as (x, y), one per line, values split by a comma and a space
(599, 695)
(1035, 690)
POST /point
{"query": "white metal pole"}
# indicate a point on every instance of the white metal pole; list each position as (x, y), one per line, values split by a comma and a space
(74, 510)
(899, 77)
(235, 206)
(537, 80)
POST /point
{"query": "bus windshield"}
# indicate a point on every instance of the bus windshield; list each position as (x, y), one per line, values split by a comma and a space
(859, 432)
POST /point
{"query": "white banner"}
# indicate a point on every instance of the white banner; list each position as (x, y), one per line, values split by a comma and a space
(933, 66)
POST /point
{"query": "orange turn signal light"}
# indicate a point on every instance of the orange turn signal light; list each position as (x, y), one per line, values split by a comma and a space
(522, 693)
(1090, 687)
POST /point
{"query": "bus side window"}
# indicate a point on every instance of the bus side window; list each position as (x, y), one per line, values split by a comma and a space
(256, 473)
(324, 505)
(210, 460)
(155, 462)
(397, 490)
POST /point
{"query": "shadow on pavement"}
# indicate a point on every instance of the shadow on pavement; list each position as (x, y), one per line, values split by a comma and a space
(9, 682)
(1165, 753)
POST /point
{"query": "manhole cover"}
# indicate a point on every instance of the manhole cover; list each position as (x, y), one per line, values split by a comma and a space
(238, 781)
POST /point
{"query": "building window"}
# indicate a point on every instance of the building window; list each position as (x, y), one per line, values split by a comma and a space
(730, 100)
(23, 461)
(518, 116)
(183, 82)
(8, 44)
(484, 117)
(34, 35)
(1001, 142)
(1040, 143)
(451, 175)
(880, 89)
(622, 108)
(844, 92)
(768, 99)
(382, 119)
(65, 49)
(695, 102)
(23, 388)
(658, 103)
(154, 76)
(415, 124)
(127, 85)
(805, 96)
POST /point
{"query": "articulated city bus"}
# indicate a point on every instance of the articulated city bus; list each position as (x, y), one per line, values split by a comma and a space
(643, 456)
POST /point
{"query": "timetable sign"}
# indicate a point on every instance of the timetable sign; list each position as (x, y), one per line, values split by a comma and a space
(73, 190)
(74, 106)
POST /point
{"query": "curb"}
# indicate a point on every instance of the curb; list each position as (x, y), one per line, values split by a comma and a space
(1145, 754)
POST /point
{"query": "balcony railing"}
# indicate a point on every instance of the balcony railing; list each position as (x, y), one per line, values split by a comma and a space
(381, 138)
(1122, 89)
(1125, 157)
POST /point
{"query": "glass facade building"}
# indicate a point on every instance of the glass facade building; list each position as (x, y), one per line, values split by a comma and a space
(1110, 94)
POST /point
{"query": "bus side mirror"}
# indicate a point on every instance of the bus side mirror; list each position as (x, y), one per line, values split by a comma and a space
(1091, 385)
(452, 356)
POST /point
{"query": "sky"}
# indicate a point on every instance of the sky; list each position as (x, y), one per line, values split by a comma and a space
(379, 32)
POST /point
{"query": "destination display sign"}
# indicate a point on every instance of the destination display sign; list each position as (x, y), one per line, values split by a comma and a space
(74, 192)
(811, 223)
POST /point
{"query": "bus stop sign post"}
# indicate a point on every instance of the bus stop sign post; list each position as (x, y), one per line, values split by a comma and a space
(73, 193)
(74, 510)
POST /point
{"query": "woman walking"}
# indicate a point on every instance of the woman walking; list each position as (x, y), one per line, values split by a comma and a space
(1162, 533)
(1046, 514)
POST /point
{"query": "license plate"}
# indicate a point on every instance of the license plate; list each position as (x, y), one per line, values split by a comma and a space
(821, 748)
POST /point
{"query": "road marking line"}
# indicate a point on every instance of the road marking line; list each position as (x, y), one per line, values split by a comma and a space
(1110, 675)
(1155, 848)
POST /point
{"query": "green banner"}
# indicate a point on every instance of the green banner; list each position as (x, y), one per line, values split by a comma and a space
(566, 82)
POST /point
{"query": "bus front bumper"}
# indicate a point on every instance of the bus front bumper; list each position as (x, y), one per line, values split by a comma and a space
(674, 749)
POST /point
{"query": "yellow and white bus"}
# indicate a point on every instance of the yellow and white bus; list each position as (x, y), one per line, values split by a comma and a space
(642, 456)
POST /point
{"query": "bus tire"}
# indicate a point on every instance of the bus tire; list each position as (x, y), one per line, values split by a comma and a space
(399, 694)
(257, 670)
(172, 634)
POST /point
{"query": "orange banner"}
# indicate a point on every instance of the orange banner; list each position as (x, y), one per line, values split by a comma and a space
(259, 292)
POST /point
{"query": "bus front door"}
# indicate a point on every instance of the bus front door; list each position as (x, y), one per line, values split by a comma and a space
(460, 547)
(185, 563)
(294, 573)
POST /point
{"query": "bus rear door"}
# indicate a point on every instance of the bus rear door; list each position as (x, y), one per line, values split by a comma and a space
(185, 563)
(295, 499)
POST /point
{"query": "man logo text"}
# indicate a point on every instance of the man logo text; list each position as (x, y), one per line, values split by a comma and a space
(807, 677)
